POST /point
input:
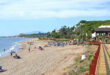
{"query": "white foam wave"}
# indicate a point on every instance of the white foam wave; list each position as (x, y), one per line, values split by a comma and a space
(15, 48)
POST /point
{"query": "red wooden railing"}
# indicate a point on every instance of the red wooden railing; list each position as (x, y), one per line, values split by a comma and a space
(94, 42)
(92, 67)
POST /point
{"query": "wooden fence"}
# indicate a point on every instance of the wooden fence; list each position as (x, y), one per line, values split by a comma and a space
(92, 67)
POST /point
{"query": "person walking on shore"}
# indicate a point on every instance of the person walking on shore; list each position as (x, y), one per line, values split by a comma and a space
(11, 52)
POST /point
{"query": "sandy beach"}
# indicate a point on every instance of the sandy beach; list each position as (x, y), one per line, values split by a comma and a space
(50, 61)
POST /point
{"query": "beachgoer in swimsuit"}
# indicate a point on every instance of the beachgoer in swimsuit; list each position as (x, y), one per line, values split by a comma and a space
(29, 49)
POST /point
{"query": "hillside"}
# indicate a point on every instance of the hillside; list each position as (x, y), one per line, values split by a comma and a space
(82, 30)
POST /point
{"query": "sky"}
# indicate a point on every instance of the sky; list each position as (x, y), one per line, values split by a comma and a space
(23, 16)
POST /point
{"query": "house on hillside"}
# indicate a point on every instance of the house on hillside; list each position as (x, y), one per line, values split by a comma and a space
(102, 31)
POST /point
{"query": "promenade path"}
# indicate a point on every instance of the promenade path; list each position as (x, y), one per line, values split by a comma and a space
(103, 65)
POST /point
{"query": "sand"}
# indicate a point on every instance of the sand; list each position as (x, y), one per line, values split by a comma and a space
(50, 61)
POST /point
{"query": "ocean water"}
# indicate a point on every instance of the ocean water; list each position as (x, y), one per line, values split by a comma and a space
(9, 44)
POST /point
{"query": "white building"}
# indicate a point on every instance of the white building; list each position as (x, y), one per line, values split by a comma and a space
(101, 29)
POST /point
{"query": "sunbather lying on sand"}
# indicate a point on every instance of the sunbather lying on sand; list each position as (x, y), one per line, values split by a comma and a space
(41, 48)
(16, 56)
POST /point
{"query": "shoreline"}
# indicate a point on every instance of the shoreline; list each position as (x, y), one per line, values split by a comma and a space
(37, 62)
(7, 52)
(15, 47)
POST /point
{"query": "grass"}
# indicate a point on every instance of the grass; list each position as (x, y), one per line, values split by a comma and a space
(81, 67)
(77, 60)
(108, 41)
(67, 67)
(72, 73)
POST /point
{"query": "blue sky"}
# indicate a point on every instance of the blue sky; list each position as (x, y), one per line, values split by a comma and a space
(23, 16)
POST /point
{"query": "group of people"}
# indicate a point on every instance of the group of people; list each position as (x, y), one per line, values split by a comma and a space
(40, 48)
(14, 55)
(57, 43)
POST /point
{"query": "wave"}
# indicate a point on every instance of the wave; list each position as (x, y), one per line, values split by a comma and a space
(15, 48)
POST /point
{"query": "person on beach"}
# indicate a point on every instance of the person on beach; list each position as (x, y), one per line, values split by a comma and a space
(4, 50)
(16, 56)
(40, 48)
(29, 49)
(11, 53)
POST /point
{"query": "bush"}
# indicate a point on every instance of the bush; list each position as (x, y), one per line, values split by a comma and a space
(84, 68)
(89, 57)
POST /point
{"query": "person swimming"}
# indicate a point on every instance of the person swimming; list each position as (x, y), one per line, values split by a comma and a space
(4, 50)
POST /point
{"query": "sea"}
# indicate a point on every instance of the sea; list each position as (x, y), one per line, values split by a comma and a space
(8, 44)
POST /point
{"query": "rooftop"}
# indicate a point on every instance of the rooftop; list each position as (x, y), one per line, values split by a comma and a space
(105, 26)
(102, 30)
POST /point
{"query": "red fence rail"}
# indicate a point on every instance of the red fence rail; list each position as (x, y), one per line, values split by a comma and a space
(94, 42)
(92, 67)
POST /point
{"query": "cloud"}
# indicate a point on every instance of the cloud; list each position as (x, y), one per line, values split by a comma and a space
(35, 9)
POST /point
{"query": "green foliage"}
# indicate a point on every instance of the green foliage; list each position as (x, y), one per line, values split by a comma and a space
(90, 56)
(72, 73)
(64, 32)
(54, 34)
(83, 21)
(84, 68)
(83, 30)
(86, 28)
